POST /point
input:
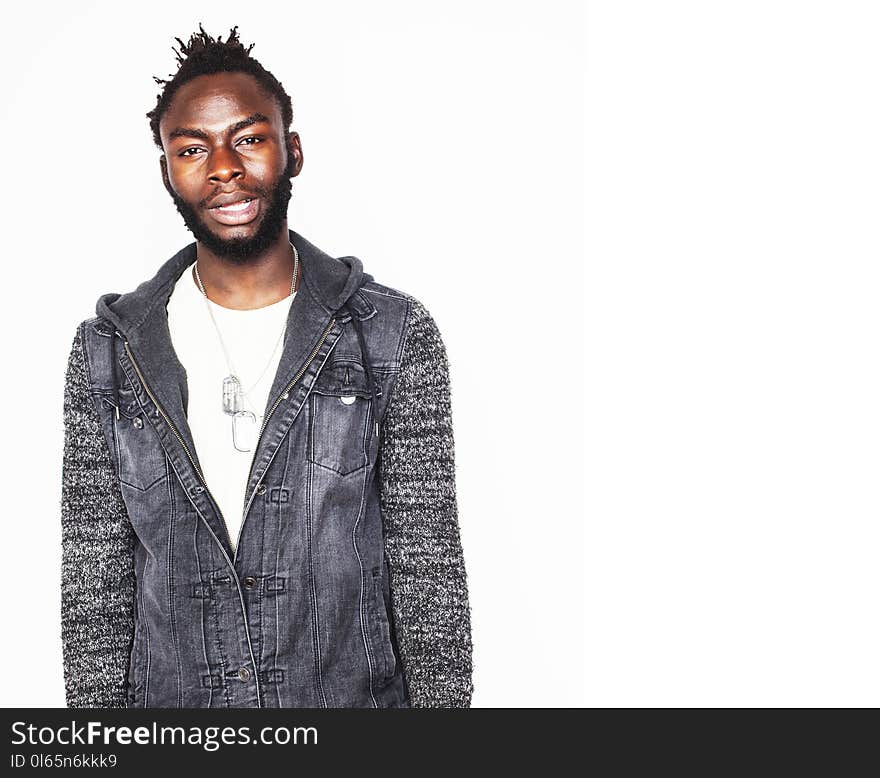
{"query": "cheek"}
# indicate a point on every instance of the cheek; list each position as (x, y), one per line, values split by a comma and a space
(262, 169)
(185, 181)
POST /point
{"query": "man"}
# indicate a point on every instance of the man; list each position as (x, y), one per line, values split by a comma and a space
(258, 499)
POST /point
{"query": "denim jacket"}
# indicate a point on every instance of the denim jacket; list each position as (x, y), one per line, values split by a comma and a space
(347, 586)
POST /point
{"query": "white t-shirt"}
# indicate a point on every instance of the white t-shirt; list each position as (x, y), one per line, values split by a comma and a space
(250, 338)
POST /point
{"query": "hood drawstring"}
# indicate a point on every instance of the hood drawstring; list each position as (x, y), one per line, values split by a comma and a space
(367, 368)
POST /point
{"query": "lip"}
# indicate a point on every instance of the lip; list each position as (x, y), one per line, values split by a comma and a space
(234, 213)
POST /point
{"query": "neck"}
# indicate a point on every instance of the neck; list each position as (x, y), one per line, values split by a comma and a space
(263, 280)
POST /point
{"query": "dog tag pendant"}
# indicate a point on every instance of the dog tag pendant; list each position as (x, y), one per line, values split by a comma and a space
(244, 430)
(233, 398)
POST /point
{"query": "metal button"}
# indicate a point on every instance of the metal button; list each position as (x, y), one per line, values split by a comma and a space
(250, 583)
(197, 489)
(244, 674)
(261, 489)
(138, 422)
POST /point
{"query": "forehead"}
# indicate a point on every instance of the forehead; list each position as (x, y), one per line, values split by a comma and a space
(213, 102)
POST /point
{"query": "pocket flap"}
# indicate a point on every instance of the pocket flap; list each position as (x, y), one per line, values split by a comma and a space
(344, 378)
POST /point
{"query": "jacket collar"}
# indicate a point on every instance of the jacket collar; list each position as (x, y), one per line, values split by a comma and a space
(329, 282)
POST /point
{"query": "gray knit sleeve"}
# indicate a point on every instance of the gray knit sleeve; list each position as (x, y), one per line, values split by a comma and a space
(97, 571)
(420, 519)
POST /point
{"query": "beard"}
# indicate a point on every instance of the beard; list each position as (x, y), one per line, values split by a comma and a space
(241, 251)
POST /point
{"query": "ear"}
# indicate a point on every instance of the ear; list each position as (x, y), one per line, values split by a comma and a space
(163, 165)
(294, 152)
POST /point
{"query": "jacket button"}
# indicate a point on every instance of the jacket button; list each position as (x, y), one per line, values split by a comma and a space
(138, 422)
(250, 583)
(244, 674)
(197, 490)
(261, 489)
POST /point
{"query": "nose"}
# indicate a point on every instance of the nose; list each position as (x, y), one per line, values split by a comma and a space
(225, 165)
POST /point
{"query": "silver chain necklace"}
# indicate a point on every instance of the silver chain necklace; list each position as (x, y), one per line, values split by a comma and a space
(233, 393)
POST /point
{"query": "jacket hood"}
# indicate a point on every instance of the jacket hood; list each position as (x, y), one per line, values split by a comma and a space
(331, 282)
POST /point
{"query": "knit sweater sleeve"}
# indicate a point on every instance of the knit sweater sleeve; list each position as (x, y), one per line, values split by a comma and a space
(420, 520)
(97, 569)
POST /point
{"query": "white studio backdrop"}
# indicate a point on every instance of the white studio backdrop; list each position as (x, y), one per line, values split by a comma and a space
(732, 353)
(442, 146)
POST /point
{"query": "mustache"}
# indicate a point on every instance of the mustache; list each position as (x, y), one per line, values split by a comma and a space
(240, 250)
(256, 191)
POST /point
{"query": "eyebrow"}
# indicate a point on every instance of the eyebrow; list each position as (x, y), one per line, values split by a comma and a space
(193, 132)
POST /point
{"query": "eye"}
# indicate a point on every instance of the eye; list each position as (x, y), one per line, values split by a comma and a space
(191, 148)
(253, 138)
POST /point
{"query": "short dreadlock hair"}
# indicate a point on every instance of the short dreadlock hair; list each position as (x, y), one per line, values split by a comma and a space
(203, 55)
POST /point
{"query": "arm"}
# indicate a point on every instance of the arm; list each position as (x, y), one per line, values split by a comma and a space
(420, 520)
(97, 573)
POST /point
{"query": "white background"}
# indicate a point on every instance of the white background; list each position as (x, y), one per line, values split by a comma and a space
(443, 146)
(733, 390)
(727, 530)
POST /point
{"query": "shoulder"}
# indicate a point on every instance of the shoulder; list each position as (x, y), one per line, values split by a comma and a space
(77, 379)
(94, 326)
(417, 322)
(86, 329)
(421, 352)
(91, 353)
(90, 334)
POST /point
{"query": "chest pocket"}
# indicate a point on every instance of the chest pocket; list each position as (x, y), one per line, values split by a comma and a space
(141, 458)
(340, 413)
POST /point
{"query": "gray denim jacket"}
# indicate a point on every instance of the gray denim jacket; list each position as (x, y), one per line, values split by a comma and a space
(347, 587)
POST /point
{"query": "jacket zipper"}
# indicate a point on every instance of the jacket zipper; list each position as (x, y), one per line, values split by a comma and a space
(266, 418)
(290, 385)
(177, 435)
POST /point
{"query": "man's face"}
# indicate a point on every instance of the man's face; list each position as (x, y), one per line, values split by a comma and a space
(224, 141)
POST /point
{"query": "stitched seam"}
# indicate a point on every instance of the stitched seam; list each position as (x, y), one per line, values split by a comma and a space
(278, 537)
(316, 643)
(407, 326)
(367, 289)
(220, 653)
(175, 642)
(261, 585)
(149, 652)
(87, 368)
(196, 526)
(367, 646)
